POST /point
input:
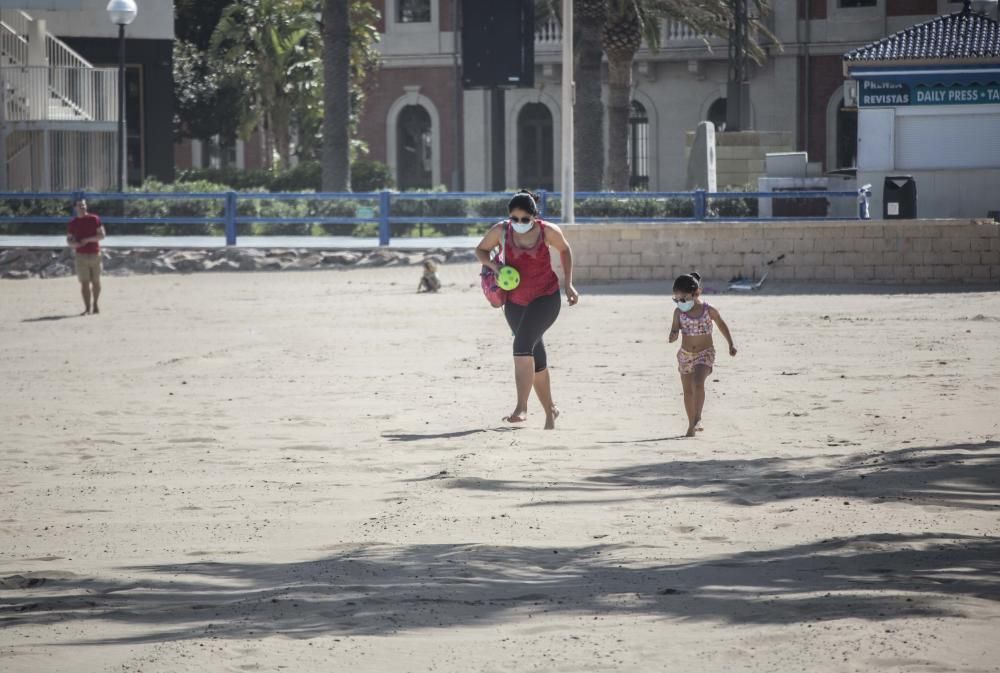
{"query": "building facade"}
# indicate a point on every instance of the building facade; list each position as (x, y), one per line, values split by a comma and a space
(77, 71)
(421, 123)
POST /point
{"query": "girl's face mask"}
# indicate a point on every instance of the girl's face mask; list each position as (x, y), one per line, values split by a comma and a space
(685, 306)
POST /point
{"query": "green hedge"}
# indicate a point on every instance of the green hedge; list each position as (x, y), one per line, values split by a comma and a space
(366, 176)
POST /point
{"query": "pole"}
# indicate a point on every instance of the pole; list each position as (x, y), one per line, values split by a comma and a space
(568, 186)
(121, 108)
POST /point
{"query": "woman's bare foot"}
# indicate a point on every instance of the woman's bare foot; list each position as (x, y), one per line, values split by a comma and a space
(519, 416)
(692, 431)
(698, 427)
(550, 418)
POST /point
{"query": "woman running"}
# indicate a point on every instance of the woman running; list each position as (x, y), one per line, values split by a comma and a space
(533, 306)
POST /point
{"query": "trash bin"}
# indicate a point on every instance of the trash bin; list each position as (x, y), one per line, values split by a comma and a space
(899, 198)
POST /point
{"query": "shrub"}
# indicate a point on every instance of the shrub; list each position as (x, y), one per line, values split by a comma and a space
(429, 208)
(370, 176)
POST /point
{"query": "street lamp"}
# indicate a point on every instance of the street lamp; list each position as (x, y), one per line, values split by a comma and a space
(122, 13)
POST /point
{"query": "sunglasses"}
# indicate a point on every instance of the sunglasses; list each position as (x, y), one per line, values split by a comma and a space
(522, 220)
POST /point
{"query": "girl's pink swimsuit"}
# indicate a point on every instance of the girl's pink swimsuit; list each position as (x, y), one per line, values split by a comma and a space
(700, 326)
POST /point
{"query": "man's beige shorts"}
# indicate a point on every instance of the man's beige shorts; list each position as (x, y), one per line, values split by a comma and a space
(88, 267)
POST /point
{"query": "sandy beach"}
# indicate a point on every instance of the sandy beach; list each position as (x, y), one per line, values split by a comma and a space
(307, 472)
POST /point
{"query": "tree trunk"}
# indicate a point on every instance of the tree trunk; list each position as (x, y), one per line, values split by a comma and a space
(619, 105)
(588, 110)
(336, 155)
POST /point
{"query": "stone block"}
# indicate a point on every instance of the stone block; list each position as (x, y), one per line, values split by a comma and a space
(980, 272)
(923, 272)
(723, 245)
(609, 260)
(650, 258)
(621, 273)
(871, 258)
(631, 234)
(844, 273)
(619, 246)
(600, 273)
(918, 244)
(864, 272)
(599, 247)
(874, 231)
(804, 272)
(863, 245)
(586, 260)
(825, 273)
(630, 259)
(971, 258)
(914, 258)
(885, 272)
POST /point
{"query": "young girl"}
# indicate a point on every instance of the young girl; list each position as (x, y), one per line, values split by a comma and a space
(693, 318)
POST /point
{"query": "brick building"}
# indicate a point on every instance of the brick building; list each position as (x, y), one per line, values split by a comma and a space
(430, 132)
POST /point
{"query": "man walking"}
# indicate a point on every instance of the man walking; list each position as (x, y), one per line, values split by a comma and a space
(83, 234)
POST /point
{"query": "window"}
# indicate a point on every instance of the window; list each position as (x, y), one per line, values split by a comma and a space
(717, 114)
(858, 3)
(413, 11)
(638, 148)
(847, 136)
(414, 157)
(535, 148)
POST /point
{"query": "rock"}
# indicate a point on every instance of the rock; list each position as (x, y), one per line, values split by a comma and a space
(16, 274)
(309, 261)
(7, 256)
(56, 270)
(220, 265)
(340, 258)
(462, 257)
(267, 264)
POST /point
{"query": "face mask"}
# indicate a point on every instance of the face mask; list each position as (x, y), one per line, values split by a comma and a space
(686, 306)
(522, 228)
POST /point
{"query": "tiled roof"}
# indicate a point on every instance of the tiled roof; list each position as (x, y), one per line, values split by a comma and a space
(963, 35)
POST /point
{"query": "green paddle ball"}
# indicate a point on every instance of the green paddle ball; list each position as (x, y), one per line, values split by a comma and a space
(508, 278)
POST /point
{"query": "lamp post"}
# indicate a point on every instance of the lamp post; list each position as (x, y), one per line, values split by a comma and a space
(122, 13)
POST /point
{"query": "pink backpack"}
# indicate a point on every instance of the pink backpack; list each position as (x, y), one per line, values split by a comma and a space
(495, 295)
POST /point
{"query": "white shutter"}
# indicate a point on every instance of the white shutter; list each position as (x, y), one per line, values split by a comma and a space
(948, 141)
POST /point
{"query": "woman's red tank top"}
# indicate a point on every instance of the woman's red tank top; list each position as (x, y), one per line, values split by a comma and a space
(535, 266)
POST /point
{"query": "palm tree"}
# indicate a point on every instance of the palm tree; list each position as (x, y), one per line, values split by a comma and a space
(588, 109)
(336, 156)
(272, 46)
(627, 23)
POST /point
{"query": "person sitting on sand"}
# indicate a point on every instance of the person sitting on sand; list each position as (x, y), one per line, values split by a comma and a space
(533, 306)
(693, 318)
(429, 282)
(83, 235)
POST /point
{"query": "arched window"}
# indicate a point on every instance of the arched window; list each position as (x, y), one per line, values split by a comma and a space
(414, 153)
(847, 136)
(717, 114)
(534, 147)
(638, 147)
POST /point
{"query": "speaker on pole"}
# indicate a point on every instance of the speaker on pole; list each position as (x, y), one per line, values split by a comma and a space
(498, 44)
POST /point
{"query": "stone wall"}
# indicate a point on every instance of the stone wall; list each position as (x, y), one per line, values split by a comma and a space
(899, 251)
(21, 263)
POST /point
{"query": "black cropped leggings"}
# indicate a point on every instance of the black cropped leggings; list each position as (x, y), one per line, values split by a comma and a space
(528, 323)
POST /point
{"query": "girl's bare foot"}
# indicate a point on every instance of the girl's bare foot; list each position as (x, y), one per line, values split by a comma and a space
(519, 416)
(550, 418)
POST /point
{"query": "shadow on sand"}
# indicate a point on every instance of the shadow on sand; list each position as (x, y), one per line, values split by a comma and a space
(375, 590)
(53, 318)
(961, 475)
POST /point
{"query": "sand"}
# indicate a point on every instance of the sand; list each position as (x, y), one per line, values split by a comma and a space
(306, 472)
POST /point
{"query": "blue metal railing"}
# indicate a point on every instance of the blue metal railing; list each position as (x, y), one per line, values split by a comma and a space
(381, 212)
